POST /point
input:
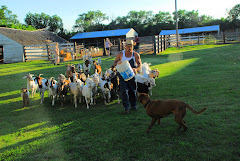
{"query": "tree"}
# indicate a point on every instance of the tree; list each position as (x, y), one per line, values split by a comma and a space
(91, 21)
(187, 19)
(162, 17)
(39, 21)
(6, 17)
(234, 13)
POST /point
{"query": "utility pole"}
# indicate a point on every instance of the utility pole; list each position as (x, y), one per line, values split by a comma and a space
(176, 22)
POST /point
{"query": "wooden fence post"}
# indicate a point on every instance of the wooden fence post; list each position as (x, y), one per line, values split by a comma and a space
(158, 42)
(48, 52)
(224, 38)
(119, 44)
(198, 40)
(168, 43)
(104, 48)
(164, 42)
(154, 45)
(24, 54)
(161, 44)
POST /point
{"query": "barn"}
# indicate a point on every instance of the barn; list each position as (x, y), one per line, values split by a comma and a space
(96, 38)
(12, 42)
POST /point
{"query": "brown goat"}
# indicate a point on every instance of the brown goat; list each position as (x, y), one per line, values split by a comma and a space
(25, 97)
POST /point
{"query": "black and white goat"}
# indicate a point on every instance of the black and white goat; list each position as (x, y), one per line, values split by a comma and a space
(42, 85)
(106, 87)
(145, 84)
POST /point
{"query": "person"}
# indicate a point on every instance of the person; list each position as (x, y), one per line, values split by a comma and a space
(57, 54)
(137, 42)
(129, 88)
(108, 45)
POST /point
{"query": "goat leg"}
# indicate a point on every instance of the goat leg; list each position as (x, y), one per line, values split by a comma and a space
(75, 101)
(86, 99)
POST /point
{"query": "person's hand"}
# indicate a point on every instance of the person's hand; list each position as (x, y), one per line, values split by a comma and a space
(119, 62)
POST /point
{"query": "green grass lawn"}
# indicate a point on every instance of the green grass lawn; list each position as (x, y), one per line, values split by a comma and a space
(202, 76)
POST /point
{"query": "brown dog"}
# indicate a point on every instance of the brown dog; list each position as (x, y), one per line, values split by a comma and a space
(158, 109)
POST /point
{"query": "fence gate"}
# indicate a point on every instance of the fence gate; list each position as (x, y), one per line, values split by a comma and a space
(35, 52)
(161, 43)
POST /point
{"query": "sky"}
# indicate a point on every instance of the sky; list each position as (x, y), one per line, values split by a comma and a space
(69, 10)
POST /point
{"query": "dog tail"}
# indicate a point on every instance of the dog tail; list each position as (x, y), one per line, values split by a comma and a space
(194, 111)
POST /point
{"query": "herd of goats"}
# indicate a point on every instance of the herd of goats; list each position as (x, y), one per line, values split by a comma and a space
(81, 84)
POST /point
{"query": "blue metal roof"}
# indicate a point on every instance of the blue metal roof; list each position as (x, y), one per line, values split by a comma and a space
(191, 30)
(95, 34)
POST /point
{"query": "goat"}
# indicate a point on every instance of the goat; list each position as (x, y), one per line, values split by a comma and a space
(149, 82)
(115, 84)
(52, 88)
(87, 91)
(99, 60)
(70, 69)
(31, 83)
(145, 70)
(76, 90)
(62, 90)
(87, 67)
(95, 78)
(25, 96)
(154, 73)
(106, 87)
(108, 72)
(42, 85)
(80, 68)
(97, 67)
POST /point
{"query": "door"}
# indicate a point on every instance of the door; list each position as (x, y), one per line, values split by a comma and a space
(1, 54)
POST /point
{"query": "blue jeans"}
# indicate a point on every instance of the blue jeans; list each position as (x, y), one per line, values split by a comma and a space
(129, 92)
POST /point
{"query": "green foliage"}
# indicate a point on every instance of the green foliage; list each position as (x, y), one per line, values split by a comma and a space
(7, 19)
(234, 13)
(39, 21)
(205, 76)
(90, 21)
(6, 16)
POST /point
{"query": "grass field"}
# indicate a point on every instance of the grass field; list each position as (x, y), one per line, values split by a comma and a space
(203, 76)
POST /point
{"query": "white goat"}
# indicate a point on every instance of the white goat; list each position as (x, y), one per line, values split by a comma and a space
(87, 91)
(52, 88)
(145, 70)
(76, 90)
(31, 83)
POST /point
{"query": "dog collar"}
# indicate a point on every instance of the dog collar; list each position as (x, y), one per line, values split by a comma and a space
(147, 103)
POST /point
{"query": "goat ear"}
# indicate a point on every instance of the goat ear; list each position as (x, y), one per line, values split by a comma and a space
(24, 77)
